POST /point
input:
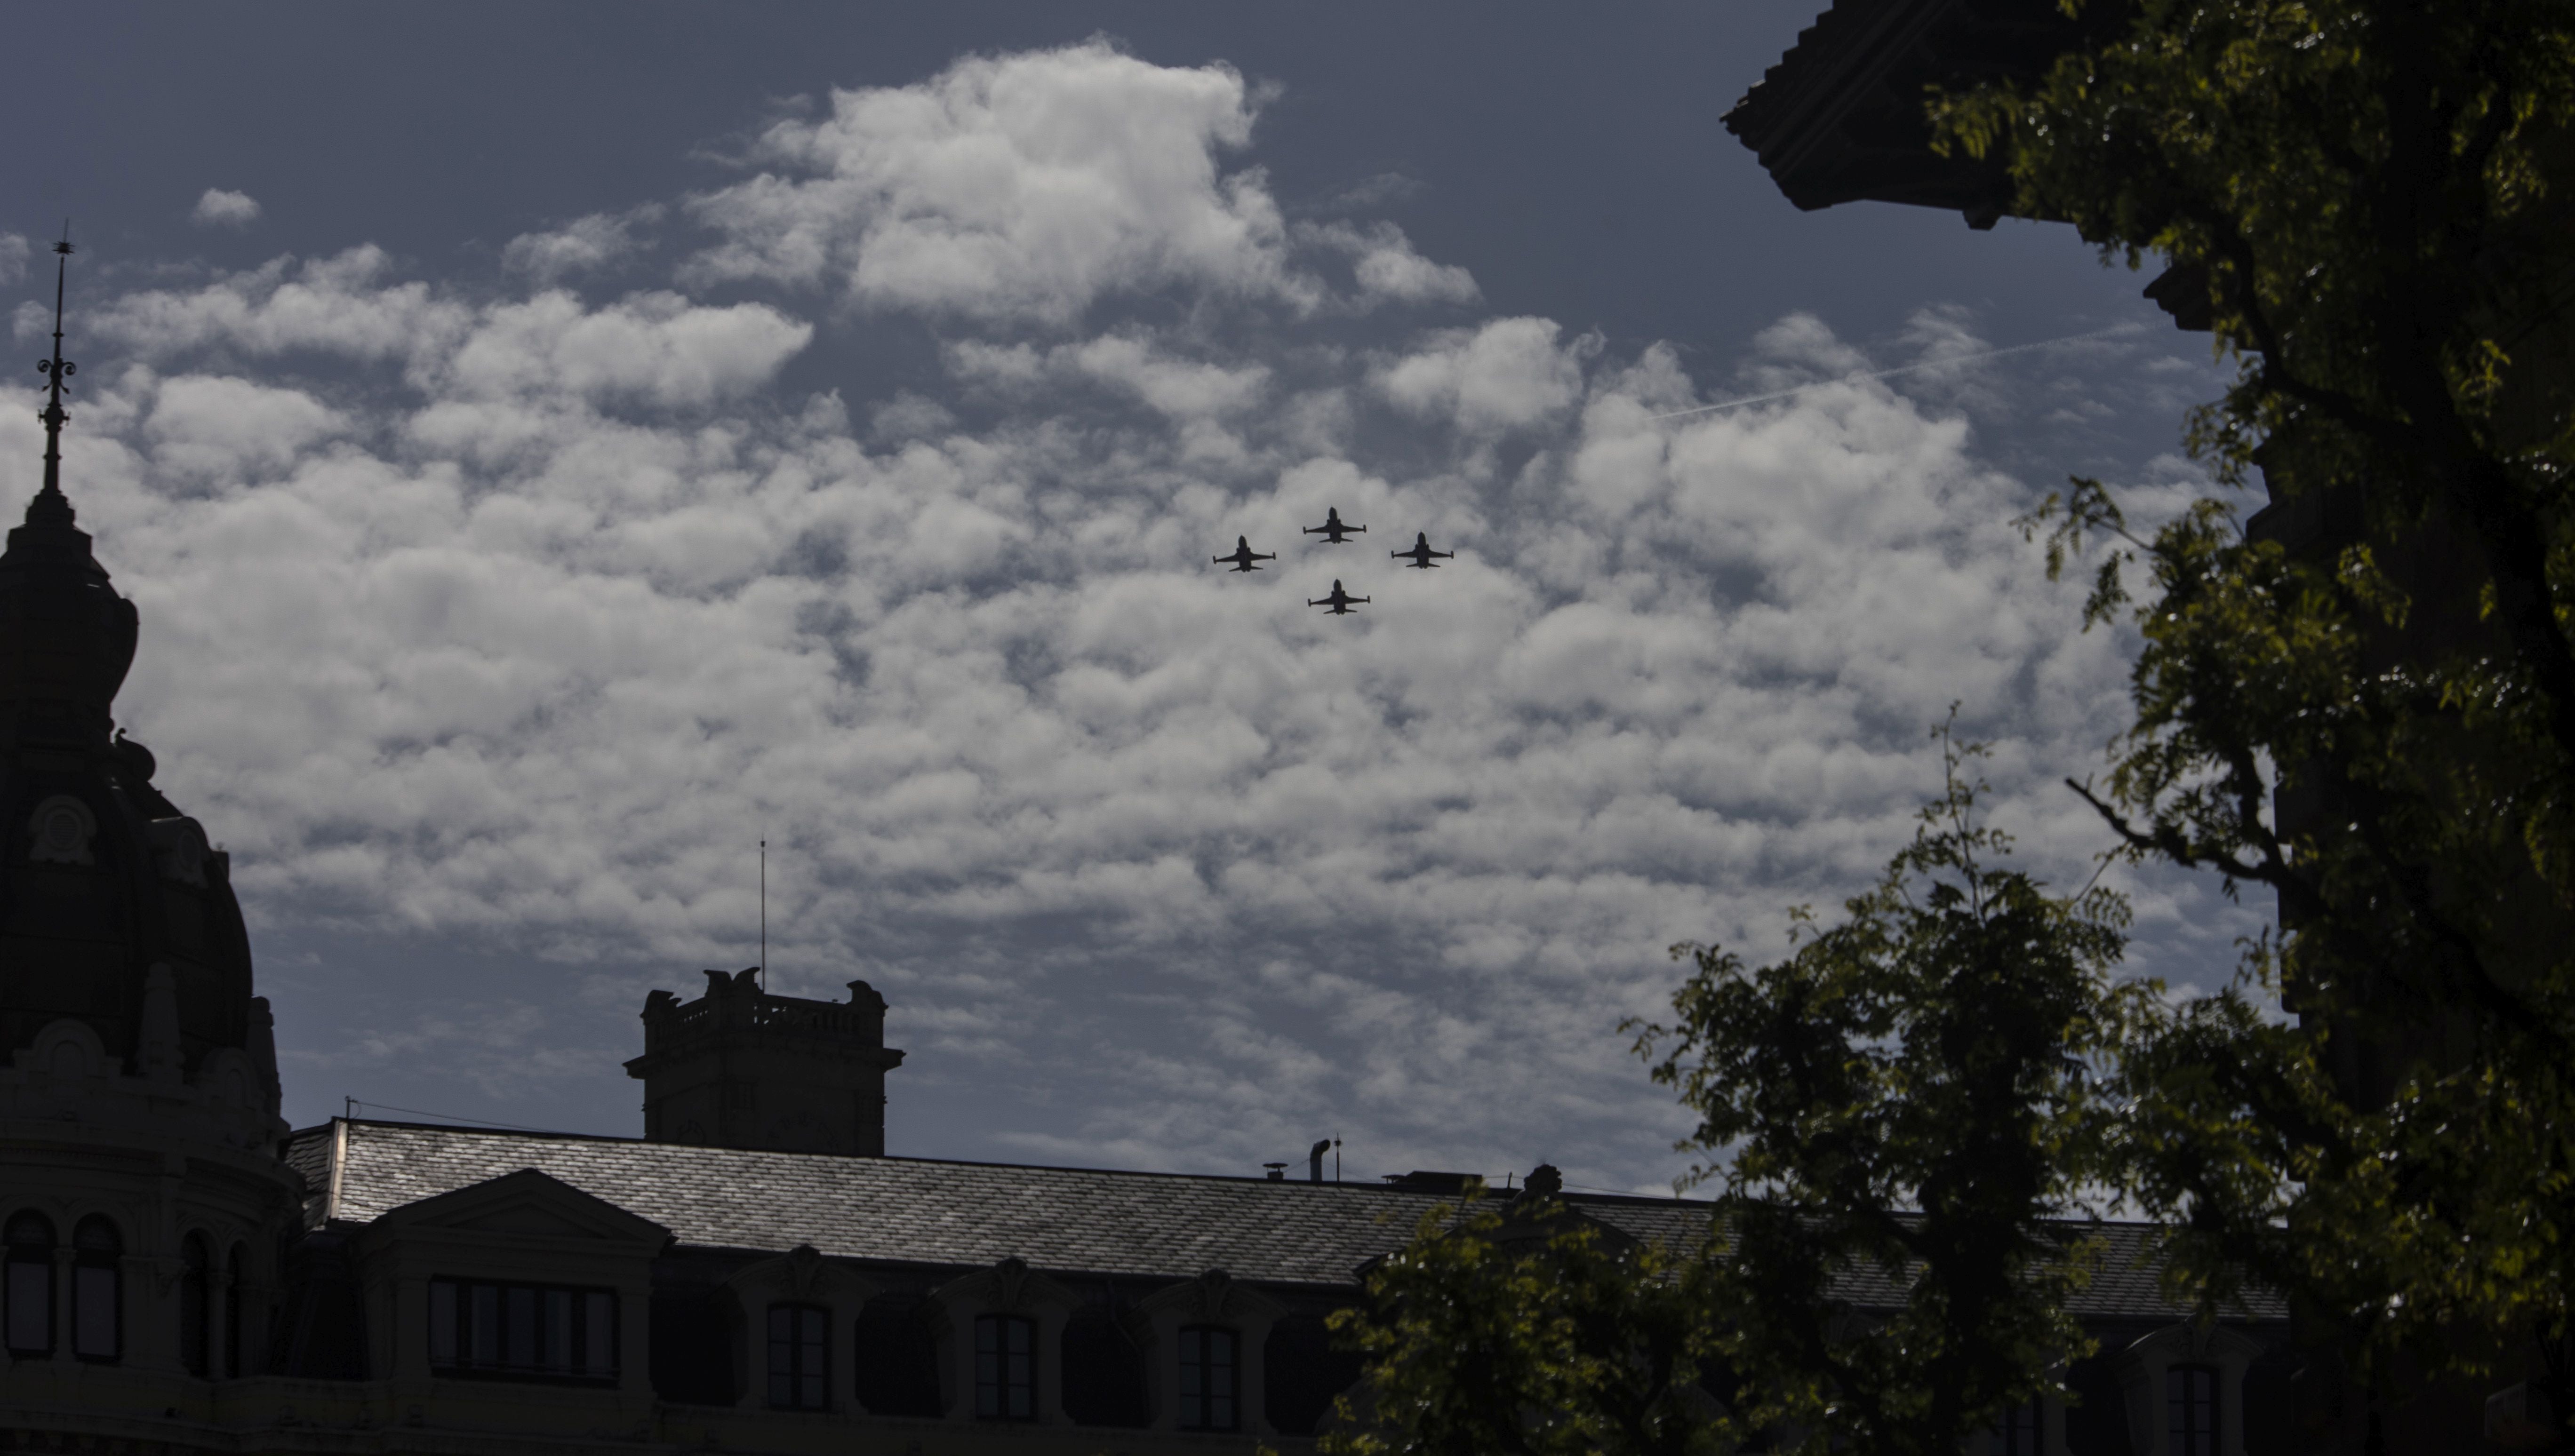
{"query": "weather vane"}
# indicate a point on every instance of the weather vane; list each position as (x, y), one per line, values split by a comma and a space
(56, 369)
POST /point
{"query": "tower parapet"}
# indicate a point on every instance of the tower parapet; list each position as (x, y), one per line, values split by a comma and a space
(740, 1068)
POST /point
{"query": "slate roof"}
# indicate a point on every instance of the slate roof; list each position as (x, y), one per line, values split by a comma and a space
(968, 1215)
(924, 1211)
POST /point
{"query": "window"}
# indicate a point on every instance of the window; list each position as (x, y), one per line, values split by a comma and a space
(800, 1356)
(1207, 1381)
(98, 1288)
(530, 1332)
(27, 1285)
(195, 1286)
(1005, 1368)
(2190, 1399)
(2024, 1428)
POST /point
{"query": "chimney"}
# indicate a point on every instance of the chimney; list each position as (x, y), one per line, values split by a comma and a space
(1315, 1160)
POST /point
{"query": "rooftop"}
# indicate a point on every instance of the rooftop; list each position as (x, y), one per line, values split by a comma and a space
(920, 1212)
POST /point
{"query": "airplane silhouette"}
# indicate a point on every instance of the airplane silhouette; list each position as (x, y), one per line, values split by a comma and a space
(1340, 600)
(1244, 555)
(1422, 554)
(1334, 532)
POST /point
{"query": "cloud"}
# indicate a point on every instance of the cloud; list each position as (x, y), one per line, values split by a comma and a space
(580, 246)
(1506, 375)
(1133, 363)
(14, 254)
(1025, 762)
(1376, 191)
(509, 623)
(1027, 188)
(1388, 268)
(219, 427)
(221, 209)
(652, 347)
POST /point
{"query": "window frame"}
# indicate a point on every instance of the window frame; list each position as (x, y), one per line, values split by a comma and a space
(2024, 1430)
(573, 1319)
(1195, 1356)
(14, 1258)
(995, 1385)
(196, 1304)
(98, 1248)
(806, 1380)
(235, 1274)
(2179, 1405)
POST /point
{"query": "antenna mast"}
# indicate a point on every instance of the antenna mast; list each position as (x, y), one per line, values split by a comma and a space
(764, 915)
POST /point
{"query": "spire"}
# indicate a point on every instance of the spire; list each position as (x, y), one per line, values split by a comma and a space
(66, 637)
(50, 506)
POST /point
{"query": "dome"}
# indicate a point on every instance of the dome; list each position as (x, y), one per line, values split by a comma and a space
(115, 913)
(66, 637)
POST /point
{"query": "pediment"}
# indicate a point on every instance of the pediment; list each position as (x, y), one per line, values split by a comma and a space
(1213, 1296)
(1008, 1287)
(526, 1203)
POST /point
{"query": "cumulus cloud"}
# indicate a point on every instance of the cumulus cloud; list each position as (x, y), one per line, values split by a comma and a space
(14, 254)
(1506, 375)
(1388, 268)
(657, 348)
(221, 209)
(513, 621)
(580, 246)
(1011, 186)
(1028, 187)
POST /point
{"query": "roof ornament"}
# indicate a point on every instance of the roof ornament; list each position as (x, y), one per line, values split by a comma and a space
(50, 506)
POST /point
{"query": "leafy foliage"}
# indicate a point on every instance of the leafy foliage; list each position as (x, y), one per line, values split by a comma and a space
(2364, 699)
(1901, 1114)
(1535, 1334)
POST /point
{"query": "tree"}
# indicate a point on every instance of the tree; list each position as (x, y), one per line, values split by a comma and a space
(2365, 700)
(1532, 1332)
(1902, 1116)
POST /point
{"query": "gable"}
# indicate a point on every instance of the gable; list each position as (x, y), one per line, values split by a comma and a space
(526, 1203)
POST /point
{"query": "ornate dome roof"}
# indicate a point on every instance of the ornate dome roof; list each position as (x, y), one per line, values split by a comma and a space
(106, 890)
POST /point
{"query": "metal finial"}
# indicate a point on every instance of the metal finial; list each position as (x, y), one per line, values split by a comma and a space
(56, 369)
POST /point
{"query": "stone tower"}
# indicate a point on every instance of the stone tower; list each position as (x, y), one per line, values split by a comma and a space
(142, 1194)
(740, 1068)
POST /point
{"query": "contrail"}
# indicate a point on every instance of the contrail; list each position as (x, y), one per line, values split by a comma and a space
(1900, 368)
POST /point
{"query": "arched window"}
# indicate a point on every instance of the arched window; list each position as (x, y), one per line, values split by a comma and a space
(1208, 1362)
(27, 1284)
(1005, 1368)
(235, 1274)
(800, 1357)
(2190, 1403)
(98, 1290)
(196, 1304)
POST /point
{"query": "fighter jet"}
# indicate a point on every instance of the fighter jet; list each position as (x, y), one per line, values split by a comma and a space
(1332, 531)
(1340, 602)
(1422, 554)
(1244, 555)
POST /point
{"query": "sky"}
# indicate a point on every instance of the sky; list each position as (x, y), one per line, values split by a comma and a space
(554, 449)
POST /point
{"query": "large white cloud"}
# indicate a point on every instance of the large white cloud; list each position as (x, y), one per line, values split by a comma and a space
(1027, 186)
(516, 620)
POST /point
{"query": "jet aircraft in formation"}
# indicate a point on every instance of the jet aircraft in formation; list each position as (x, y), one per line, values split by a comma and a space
(1244, 555)
(1340, 602)
(1420, 554)
(1332, 531)
(1335, 532)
